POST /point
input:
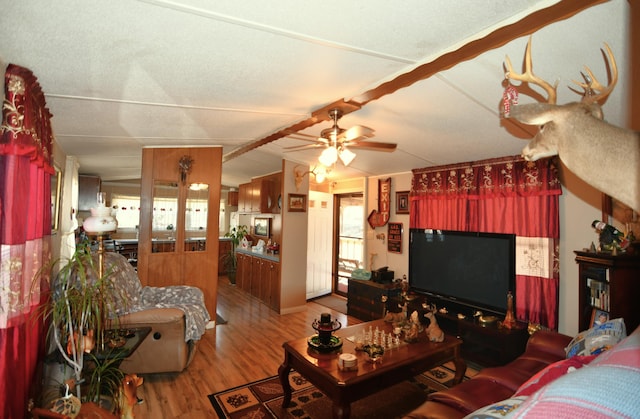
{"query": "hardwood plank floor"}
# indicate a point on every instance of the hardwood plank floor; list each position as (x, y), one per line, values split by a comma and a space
(247, 348)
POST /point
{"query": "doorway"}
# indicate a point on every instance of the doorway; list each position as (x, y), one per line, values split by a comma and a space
(349, 239)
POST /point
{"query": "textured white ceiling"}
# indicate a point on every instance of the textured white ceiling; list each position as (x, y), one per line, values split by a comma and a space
(122, 75)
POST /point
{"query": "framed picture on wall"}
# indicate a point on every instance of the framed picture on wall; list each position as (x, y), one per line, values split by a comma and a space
(297, 203)
(262, 226)
(402, 202)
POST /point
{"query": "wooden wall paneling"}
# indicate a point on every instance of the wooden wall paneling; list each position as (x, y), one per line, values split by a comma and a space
(199, 268)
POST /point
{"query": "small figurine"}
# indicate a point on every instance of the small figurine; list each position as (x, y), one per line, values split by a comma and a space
(128, 395)
(414, 329)
(610, 237)
(433, 331)
(395, 317)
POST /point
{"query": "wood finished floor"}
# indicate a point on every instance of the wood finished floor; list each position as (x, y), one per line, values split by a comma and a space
(247, 348)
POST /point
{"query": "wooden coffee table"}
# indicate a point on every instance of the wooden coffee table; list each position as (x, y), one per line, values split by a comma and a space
(345, 387)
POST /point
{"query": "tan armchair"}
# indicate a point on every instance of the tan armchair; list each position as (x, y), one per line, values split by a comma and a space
(176, 314)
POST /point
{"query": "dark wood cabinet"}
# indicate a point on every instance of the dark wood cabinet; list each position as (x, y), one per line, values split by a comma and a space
(232, 198)
(486, 344)
(259, 277)
(224, 249)
(243, 272)
(366, 299)
(257, 197)
(611, 284)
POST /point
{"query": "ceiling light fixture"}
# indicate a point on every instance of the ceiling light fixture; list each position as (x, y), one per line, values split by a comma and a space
(320, 172)
(329, 156)
(346, 155)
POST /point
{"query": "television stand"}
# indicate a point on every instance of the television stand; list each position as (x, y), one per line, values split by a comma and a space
(486, 343)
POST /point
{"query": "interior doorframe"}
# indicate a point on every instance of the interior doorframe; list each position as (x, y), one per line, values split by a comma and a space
(335, 274)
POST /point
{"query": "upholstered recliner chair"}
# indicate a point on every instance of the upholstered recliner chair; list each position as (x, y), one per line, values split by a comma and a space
(176, 314)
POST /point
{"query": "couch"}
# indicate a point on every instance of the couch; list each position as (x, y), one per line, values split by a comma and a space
(544, 382)
(177, 316)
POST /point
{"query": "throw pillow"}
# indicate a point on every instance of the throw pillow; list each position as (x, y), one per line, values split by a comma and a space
(597, 339)
(551, 372)
(502, 409)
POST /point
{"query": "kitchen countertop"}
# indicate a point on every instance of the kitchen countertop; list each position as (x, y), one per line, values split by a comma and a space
(265, 255)
(134, 241)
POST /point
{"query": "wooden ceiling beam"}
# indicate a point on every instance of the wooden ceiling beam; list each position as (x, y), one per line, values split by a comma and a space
(501, 36)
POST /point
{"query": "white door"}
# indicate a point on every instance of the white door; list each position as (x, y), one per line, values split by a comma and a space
(319, 244)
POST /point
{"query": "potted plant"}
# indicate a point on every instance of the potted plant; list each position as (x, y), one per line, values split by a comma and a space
(78, 313)
(231, 261)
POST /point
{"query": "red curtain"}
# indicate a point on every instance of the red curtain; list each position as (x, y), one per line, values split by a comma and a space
(505, 195)
(25, 234)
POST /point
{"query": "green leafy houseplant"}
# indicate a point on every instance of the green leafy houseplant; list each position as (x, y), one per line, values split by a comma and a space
(78, 310)
(231, 261)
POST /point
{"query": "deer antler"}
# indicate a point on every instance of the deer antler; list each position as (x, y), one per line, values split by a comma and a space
(529, 77)
(593, 85)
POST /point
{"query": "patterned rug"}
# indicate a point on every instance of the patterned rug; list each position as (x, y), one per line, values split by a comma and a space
(263, 398)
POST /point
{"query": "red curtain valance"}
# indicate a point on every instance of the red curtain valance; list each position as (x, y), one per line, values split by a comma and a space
(506, 176)
(26, 121)
(504, 195)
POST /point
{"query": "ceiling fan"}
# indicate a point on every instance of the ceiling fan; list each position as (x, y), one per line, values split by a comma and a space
(337, 141)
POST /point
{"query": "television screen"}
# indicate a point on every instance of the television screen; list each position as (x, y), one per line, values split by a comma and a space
(474, 269)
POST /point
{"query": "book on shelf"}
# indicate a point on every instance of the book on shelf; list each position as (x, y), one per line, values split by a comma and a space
(598, 293)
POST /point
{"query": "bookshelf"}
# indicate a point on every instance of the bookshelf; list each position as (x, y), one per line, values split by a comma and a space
(608, 285)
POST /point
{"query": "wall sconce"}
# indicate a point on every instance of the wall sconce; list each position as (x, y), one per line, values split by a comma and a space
(320, 173)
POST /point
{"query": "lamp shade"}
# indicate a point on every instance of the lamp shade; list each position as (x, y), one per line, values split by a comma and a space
(346, 156)
(329, 156)
(101, 220)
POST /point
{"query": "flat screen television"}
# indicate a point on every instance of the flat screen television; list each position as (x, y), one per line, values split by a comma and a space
(470, 269)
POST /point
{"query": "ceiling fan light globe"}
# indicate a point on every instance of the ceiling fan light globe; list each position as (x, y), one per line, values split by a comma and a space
(329, 156)
(346, 156)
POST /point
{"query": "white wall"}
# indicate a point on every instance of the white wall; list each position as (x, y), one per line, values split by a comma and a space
(397, 262)
(293, 250)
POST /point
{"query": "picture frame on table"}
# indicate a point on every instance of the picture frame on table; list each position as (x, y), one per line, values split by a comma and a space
(262, 227)
(598, 317)
(402, 202)
(297, 203)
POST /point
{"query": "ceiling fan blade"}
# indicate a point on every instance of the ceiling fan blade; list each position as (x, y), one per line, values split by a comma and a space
(309, 140)
(356, 132)
(375, 146)
(299, 134)
(303, 147)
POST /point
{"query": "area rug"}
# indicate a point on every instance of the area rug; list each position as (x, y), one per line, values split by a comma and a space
(334, 302)
(263, 398)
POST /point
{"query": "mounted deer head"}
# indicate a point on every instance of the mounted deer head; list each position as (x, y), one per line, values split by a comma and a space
(603, 155)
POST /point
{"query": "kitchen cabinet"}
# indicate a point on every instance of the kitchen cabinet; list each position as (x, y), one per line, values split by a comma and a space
(257, 197)
(259, 275)
(232, 198)
(224, 248)
(243, 272)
